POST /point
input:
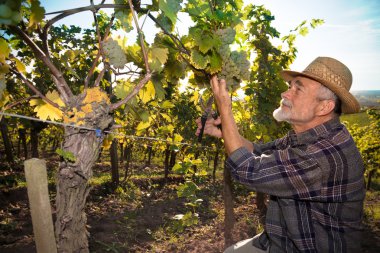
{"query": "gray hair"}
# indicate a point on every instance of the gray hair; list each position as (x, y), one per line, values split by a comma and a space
(325, 93)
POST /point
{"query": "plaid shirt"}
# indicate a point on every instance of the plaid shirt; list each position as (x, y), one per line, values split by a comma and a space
(316, 187)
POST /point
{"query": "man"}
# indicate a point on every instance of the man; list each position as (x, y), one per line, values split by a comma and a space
(314, 175)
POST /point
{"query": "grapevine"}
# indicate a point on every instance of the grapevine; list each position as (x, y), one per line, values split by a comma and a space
(115, 53)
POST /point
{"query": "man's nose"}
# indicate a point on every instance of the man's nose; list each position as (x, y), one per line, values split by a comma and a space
(286, 94)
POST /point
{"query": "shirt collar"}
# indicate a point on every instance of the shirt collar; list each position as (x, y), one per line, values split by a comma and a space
(313, 134)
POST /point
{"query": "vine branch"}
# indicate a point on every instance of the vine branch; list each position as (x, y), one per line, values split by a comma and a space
(32, 87)
(58, 78)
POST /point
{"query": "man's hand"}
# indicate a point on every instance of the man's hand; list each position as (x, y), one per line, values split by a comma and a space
(221, 95)
(230, 133)
(211, 127)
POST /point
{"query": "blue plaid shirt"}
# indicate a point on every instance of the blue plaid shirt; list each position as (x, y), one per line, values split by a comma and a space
(316, 187)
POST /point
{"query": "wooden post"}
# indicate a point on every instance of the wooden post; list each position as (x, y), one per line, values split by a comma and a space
(37, 185)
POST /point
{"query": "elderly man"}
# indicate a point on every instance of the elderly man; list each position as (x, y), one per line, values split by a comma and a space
(314, 175)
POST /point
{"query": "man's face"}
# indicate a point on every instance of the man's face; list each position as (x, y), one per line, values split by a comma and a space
(299, 103)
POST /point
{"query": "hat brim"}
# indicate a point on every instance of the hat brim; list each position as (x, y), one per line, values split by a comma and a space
(349, 102)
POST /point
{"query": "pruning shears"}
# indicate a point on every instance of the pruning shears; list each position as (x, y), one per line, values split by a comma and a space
(207, 112)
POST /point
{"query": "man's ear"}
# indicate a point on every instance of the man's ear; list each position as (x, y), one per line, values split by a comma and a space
(326, 107)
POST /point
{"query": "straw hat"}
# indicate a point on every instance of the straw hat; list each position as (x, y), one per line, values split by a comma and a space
(334, 75)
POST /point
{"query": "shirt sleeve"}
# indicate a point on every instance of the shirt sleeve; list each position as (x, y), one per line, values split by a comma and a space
(288, 173)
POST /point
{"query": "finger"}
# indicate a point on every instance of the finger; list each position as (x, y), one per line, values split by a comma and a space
(218, 121)
(223, 85)
(214, 83)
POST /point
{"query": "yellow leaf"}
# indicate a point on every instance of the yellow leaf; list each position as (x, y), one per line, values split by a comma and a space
(177, 138)
(20, 66)
(142, 125)
(147, 93)
(195, 97)
(45, 110)
(54, 96)
(154, 103)
(107, 142)
(170, 128)
(167, 117)
(4, 99)
(4, 50)
(167, 104)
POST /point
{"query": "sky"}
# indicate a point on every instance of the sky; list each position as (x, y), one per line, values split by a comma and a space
(351, 32)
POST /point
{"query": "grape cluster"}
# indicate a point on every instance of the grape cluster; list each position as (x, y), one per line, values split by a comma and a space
(115, 53)
(10, 12)
(235, 66)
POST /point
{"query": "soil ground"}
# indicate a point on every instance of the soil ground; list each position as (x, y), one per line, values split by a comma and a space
(139, 219)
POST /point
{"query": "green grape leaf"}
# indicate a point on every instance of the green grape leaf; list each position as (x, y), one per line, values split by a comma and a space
(125, 17)
(215, 63)
(187, 189)
(190, 219)
(144, 115)
(122, 89)
(205, 43)
(175, 69)
(198, 9)
(170, 8)
(161, 54)
(198, 60)
(66, 155)
(158, 80)
(165, 22)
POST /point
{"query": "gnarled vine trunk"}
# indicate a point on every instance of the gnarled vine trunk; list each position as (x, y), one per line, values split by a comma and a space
(73, 177)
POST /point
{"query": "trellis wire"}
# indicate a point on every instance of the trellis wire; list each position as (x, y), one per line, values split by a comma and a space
(95, 130)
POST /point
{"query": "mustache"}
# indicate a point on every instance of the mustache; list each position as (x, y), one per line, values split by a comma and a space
(286, 102)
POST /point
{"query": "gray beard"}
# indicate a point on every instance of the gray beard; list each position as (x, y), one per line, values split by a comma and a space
(280, 115)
